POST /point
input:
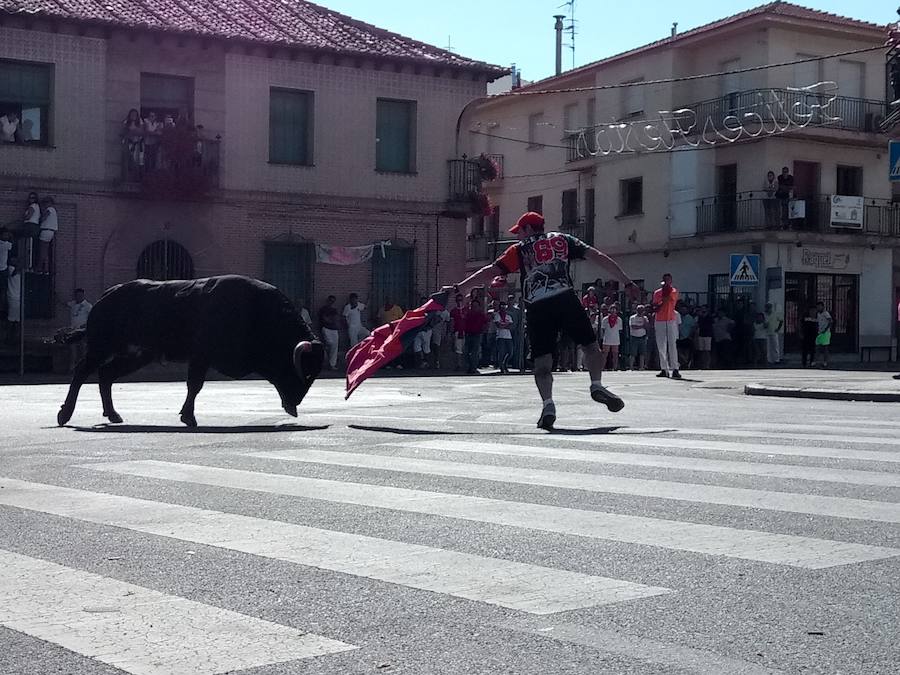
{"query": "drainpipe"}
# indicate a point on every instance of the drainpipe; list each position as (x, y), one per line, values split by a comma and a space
(559, 29)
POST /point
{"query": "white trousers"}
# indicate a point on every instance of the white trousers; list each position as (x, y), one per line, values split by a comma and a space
(331, 337)
(666, 337)
(356, 334)
(422, 342)
(773, 348)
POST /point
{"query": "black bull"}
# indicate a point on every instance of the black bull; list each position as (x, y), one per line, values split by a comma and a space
(233, 324)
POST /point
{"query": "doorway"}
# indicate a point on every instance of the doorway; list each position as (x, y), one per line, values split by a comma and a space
(726, 189)
(839, 292)
(806, 187)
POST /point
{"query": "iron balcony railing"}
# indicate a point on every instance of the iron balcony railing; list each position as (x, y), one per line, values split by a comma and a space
(498, 161)
(744, 213)
(479, 247)
(183, 162)
(756, 111)
(464, 180)
(785, 106)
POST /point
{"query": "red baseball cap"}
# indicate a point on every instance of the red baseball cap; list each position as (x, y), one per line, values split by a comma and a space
(531, 218)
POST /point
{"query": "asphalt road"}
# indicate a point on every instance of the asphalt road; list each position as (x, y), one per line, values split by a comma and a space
(426, 526)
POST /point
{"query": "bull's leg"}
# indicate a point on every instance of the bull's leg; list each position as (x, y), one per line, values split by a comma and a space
(110, 372)
(85, 367)
(195, 378)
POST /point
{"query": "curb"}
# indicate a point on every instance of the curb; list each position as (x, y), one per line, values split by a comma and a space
(825, 394)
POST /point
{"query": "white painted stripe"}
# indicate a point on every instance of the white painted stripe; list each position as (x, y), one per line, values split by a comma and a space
(665, 441)
(666, 654)
(767, 500)
(520, 586)
(788, 435)
(730, 542)
(831, 430)
(140, 630)
(790, 471)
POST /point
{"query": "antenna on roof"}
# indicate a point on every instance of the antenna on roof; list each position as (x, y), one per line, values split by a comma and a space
(571, 27)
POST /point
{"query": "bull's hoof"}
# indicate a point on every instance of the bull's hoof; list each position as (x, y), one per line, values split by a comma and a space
(188, 420)
(113, 417)
(64, 415)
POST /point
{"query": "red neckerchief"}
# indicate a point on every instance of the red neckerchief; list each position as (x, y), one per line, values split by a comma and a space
(612, 320)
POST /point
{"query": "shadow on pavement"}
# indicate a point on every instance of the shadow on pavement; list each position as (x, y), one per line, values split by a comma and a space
(166, 429)
(413, 432)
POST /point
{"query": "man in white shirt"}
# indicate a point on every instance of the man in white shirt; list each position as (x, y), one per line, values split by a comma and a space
(79, 309)
(49, 227)
(353, 310)
(637, 330)
(9, 125)
(774, 324)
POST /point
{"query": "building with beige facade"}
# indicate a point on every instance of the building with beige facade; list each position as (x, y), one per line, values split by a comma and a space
(280, 126)
(667, 171)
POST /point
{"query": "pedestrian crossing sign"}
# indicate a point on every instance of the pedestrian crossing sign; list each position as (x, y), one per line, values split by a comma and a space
(744, 269)
(894, 155)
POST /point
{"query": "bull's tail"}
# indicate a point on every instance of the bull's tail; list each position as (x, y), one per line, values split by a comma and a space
(67, 336)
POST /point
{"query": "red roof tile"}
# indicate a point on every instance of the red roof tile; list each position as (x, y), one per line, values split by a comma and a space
(777, 8)
(294, 23)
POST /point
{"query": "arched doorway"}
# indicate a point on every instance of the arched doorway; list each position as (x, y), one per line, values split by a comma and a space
(164, 260)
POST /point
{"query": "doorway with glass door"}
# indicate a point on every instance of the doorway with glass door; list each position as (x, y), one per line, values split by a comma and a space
(840, 295)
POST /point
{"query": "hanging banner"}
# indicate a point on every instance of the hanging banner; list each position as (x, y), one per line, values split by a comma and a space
(343, 255)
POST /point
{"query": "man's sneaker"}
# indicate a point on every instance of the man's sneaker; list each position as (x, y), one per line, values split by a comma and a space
(676, 375)
(662, 373)
(603, 395)
(547, 418)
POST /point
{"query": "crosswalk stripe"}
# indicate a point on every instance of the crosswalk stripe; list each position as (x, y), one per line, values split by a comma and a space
(791, 502)
(670, 656)
(520, 586)
(729, 542)
(789, 471)
(660, 441)
(832, 431)
(140, 630)
(788, 434)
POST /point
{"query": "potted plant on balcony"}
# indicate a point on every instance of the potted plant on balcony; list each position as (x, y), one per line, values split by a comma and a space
(487, 168)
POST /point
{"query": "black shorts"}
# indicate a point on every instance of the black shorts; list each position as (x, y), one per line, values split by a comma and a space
(545, 319)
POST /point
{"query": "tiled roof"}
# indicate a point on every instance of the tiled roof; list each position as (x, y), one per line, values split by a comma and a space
(294, 23)
(777, 8)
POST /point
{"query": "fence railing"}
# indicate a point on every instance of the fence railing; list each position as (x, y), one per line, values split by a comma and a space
(184, 163)
(464, 180)
(742, 214)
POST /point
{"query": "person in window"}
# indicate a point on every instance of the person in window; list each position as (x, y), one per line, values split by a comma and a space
(9, 127)
(133, 138)
(49, 227)
(784, 193)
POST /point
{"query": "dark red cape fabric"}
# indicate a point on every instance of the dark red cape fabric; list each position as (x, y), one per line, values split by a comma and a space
(389, 341)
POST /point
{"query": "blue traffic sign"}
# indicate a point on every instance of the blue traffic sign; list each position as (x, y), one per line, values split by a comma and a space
(894, 155)
(744, 269)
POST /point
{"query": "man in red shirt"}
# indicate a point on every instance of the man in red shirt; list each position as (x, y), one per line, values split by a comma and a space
(475, 322)
(665, 325)
(458, 327)
(552, 305)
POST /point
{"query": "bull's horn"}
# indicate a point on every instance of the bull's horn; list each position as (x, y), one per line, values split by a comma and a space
(301, 348)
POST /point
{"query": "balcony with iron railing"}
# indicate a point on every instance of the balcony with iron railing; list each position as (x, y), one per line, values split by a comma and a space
(791, 108)
(466, 179)
(747, 213)
(735, 116)
(179, 165)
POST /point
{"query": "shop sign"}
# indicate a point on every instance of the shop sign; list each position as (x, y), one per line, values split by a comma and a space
(847, 212)
(824, 260)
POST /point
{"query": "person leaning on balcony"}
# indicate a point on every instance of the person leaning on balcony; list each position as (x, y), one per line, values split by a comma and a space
(133, 137)
(152, 134)
(770, 203)
(784, 193)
